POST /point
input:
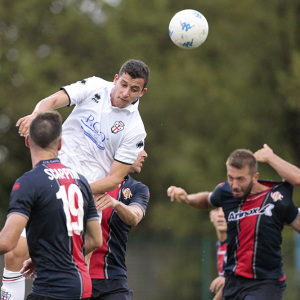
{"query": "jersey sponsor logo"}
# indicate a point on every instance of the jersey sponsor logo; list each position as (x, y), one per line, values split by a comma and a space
(276, 196)
(265, 210)
(63, 173)
(118, 126)
(16, 186)
(92, 130)
(140, 144)
(127, 193)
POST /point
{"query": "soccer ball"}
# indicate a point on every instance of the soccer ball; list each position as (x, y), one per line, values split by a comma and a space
(188, 29)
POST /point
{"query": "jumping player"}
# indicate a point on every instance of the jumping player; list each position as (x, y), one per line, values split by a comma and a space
(256, 212)
(102, 137)
(121, 209)
(56, 205)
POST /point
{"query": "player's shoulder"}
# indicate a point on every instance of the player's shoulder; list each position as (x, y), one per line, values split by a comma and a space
(97, 82)
(134, 184)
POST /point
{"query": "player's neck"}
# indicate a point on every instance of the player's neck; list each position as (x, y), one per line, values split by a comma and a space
(221, 235)
(37, 156)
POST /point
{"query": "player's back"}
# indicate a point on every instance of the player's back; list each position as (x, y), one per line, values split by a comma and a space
(56, 200)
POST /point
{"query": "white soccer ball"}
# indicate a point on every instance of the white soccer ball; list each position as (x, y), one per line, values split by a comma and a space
(188, 29)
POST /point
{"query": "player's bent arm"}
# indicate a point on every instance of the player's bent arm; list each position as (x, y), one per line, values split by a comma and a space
(52, 102)
(296, 224)
(116, 175)
(10, 234)
(93, 236)
(129, 214)
(286, 170)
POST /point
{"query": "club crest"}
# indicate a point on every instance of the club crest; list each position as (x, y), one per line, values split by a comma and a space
(118, 126)
(276, 196)
(127, 193)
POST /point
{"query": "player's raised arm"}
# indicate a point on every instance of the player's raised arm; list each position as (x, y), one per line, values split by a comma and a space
(286, 170)
(52, 102)
(199, 200)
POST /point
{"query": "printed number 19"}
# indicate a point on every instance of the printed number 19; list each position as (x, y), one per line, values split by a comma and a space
(71, 211)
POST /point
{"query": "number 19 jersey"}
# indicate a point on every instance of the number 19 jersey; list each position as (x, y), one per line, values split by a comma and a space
(58, 203)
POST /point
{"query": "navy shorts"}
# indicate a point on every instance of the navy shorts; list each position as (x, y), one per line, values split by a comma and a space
(37, 297)
(240, 288)
(111, 289)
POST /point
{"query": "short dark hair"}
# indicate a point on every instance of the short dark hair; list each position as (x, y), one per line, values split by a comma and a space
(136, 69)
(45, 128)
(241, 158)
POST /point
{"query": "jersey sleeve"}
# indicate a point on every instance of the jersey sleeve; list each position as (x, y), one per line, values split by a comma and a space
(141, 197)
(287, 209)
(132, 144)
(215, 198)
(82, 90)
(22, 197)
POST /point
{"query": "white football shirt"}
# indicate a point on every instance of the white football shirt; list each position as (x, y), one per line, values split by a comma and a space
(97, 133)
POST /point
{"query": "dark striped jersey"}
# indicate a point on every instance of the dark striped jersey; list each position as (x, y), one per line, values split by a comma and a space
(58, 203)
(108, 262)
(221, 248)
(254, 227)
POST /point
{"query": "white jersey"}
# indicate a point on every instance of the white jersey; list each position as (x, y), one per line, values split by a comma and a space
(97, 133)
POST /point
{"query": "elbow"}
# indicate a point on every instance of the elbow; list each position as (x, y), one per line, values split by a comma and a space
(6, 248)
(97, 243)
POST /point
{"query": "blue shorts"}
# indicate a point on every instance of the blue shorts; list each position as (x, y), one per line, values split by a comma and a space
(240, 288)
(111, 289)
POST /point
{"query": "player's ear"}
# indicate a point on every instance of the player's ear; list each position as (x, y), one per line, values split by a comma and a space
(116, 79)
(59, 144)
(27, 141)
(143, 92)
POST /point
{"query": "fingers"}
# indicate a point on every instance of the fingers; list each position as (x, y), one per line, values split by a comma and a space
(103, 201)
(217, 284)
(28, 274)
(23, 125)
(176, 194)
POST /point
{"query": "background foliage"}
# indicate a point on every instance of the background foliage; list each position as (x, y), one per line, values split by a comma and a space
(240, 89)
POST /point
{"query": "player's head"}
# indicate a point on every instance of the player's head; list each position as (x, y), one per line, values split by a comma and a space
(130, 83)
(218, 219)
(136, 69)
(241, 172)
(136, 167)
(45, 130)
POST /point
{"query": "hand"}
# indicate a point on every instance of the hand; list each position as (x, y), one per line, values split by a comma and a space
(28, 270)
(103, 201)
(177, 194)
(217, 284)
(264, 154)
(24, 124)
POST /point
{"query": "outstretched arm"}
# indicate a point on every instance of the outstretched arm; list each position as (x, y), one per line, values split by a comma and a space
(52, 102)
(198, 200)
(286, 170)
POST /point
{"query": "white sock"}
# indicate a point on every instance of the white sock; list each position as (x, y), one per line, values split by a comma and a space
(13, 286)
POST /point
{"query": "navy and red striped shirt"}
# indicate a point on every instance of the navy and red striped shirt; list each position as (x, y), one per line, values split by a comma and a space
(254, 227)
(58, 203)
(221, 250)
(108, 262)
